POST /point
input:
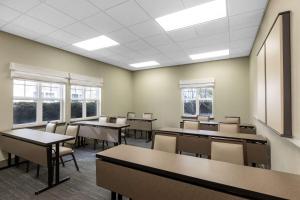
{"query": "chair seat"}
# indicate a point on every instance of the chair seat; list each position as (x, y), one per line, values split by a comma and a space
(65, 151)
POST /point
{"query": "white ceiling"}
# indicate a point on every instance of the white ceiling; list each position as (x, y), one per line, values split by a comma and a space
(60, 23)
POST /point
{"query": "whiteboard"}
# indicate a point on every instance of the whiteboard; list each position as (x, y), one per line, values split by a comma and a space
(261, 86)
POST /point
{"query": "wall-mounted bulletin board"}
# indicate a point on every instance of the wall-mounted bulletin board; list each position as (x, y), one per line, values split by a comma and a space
(274, 98)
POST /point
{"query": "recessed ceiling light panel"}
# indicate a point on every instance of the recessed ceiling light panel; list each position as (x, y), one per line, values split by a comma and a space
(212, 54)
(145, 64)
(203, 13)
(96, 43)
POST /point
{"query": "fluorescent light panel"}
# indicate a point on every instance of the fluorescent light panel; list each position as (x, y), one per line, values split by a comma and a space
(96, 43)
(145, 64)
(212, 54)
(203, 13)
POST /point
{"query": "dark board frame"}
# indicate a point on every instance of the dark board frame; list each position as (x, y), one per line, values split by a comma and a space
(287, 90)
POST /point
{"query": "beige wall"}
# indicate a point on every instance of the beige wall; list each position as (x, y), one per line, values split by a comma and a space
(285, 155)
(157, 90)
(116, 92)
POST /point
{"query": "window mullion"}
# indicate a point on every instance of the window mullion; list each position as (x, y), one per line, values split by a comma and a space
(39, 104)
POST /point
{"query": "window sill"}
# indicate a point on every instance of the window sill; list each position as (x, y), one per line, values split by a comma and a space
(84, 119)
(35, 126)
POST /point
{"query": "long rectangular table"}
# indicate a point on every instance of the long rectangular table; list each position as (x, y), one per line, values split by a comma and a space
(140, 173)
(256, 148)
(213, 126)
(37, 147)
(141, 124)
(110, 132)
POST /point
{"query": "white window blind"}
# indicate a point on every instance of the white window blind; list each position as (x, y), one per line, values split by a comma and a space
(197, 83)
(76, 79)
(27, 72)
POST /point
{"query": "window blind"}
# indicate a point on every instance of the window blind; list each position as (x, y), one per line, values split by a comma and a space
(197, 83)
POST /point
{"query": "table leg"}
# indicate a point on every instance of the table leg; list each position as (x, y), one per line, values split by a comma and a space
(57, 163)
(113, 195)
(119, 137)
(149, 136)
(17, 159)
(120, 197)
(9, 159)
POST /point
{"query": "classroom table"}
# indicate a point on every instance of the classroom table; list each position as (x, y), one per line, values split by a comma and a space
(140, 173)
(37, 147)
(213, 126)
(256, 147)
(141, 124)
(110, 132)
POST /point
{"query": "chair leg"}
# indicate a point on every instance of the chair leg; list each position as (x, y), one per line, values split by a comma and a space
(134, 134)
(75, 162)
(27, 167)
(125, 139)
(62, 161)
(38, 171)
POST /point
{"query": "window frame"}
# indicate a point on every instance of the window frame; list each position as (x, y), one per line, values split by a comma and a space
(39, 103)
(84, 101)
(198, 100)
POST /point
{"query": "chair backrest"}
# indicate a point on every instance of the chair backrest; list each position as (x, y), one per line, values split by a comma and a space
(166, 143)
(203, 118)
(51, 127)
(102, 119)
(72, 130)
(121, 120)
(232, 120)
(191, 125)
(147, 115)
(130, 115)
(232, 152)
(229, 128)
(194, 144)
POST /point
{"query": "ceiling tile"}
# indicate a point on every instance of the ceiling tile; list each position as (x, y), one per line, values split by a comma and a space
(2, 23)
(158, 8)
(50, 15)
(245, 43)
(22, 5)
(34, 25)
(51, 41)
(192, 3)
(20, 31)
(122, 36)
(128, 13)
(7, 14)
(213, 27)
(149, 52)
(64, 37)
(158, 40)
(246, 20)
(239, 34)
(236, 7)
(205, 41)
(102, 23)
(78, 9)
(81, 30)
(183, 34)
(147, 28)
(137, 45)
(106, 4)
(104, 52)
(169, 48)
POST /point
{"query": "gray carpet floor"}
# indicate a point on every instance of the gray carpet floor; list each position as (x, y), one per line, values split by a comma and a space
(16, 184)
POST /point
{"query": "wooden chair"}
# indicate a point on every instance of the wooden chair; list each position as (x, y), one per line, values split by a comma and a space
(229, 128)
(193, 144)
(203, 118)
(166, 143)
(194, 125)
(103, 119)
(51, 127)
(130, 115)
(232, 120)
(122, 120)
(228, 151)
(147, 116)
(67, 148)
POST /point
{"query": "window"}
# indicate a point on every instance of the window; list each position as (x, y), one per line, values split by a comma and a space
(37, 102)
(85, 102)
(198, 101)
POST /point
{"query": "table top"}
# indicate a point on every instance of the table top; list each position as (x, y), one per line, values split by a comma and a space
(141, 119)
(249, 182)
(217, 123)
(244, 136)
(101, 124)
(37, 137)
